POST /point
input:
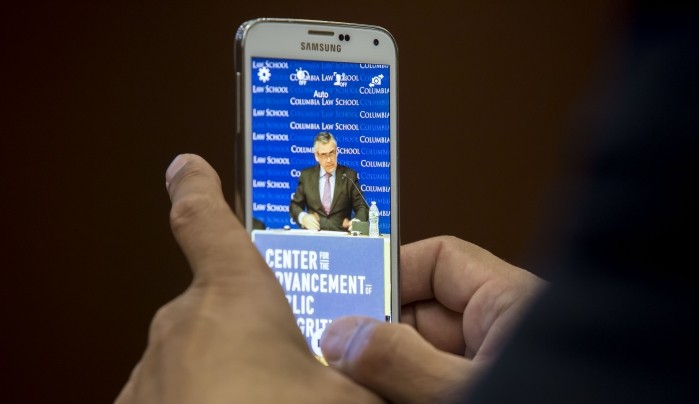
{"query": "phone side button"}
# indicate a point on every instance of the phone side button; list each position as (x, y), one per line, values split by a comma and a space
(237, 100)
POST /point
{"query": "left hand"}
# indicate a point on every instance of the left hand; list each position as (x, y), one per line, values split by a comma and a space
(231, 336)
(460, 303)
(351, 222)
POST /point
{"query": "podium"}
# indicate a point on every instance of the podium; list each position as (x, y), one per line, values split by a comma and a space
(326, 275)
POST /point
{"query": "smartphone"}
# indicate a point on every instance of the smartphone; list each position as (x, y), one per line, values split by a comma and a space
(317, 165)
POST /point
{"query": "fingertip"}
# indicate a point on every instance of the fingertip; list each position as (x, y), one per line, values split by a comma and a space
(344, 338)
(393, 360)
(190, 173)
(175, 166)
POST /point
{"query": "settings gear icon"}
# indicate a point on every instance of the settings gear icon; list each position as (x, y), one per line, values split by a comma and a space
(263, 74)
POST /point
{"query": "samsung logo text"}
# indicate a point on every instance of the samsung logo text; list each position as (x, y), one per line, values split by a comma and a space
(321, 47)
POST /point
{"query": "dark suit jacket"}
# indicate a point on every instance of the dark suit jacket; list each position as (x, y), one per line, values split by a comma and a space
(346, 198)
(618, 325)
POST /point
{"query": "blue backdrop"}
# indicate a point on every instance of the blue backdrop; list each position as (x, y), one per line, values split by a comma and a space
(292, 101)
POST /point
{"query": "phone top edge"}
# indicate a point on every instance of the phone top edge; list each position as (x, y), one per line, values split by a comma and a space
(250, 24)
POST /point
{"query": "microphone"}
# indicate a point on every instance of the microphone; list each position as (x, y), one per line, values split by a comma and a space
(345, 177)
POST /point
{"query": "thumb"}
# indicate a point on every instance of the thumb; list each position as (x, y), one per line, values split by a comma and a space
(394, 361)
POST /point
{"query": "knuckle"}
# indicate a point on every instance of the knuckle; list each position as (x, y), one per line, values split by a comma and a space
(162, 322)
(451, 241)
(189, 207)
(381, 347)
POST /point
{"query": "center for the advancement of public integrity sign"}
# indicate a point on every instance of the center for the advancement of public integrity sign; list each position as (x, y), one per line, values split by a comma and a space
(326, 276)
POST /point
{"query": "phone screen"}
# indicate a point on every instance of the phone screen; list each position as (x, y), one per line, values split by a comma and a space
(332, 272)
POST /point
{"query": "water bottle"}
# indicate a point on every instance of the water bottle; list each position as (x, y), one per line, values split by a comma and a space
(373, 220)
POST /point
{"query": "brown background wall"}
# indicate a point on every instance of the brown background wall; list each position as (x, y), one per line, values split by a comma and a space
(99, 98)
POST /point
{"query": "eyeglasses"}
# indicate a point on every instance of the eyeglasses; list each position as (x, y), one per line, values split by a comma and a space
(329, 155)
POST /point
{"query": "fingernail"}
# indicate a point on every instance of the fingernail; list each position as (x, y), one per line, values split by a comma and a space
(345, 339)
(174, 167)
(336, 338)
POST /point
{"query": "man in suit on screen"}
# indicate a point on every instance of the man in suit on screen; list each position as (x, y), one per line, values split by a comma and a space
(327, 193)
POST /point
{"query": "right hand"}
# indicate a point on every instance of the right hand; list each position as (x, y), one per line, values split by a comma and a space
(311, 222)
(459, 303)
(231, 335)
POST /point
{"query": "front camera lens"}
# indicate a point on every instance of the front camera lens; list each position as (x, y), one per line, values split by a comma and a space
(376, 42)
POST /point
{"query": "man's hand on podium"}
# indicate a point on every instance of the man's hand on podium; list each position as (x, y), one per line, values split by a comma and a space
(311, 222)
(347, 224)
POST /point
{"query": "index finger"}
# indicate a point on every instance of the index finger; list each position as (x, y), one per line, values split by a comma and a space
(447, 269)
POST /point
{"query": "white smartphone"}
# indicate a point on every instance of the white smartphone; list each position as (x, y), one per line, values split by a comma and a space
(317, 165)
